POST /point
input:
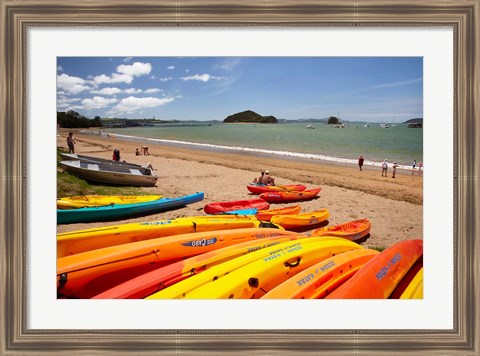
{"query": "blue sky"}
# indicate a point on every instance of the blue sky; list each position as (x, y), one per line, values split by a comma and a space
(372, 89)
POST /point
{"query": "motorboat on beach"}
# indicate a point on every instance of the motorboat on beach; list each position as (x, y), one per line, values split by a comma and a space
(110, 173)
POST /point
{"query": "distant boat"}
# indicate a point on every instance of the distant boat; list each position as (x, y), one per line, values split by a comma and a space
(384, 126)
(310, 127)
(109, 173)
(415, 125)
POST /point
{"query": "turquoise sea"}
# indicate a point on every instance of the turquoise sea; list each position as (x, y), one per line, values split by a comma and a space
(292, 141)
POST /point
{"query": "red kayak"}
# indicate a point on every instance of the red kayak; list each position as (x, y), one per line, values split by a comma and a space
(259, 188)
(225, 206)
(284, 196)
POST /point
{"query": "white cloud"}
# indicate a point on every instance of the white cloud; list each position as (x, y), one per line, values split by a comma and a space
(202, 77)
(388, 85)
(63, 102)
(125, 73)
(60, 68)
(152, 91)
(165, 79)
(71, 85)
(132, 104)
(97, 102)
(135, 70)
(187, 70)
(127, 59)
(107, 91)
(171, 67)
(133, 91)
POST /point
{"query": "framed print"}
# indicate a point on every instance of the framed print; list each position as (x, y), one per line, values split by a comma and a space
(36, 34)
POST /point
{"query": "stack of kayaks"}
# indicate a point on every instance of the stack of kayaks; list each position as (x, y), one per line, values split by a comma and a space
(157, 261)
(70, 243)
(82, 201)
(120, 211)
(225, 206)
(242, 249)
(86, 274)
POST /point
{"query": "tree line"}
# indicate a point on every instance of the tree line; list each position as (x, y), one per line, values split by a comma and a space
(72, 119)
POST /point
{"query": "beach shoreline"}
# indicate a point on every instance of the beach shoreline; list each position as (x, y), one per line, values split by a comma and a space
(393, 205)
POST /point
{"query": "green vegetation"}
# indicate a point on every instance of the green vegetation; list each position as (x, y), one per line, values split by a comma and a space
(72, 119)
(251, 117)
(69, 185)
(377, 248)
(332, 120)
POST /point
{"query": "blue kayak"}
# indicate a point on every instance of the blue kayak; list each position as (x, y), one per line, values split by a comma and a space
(251, 211)
(121, 211)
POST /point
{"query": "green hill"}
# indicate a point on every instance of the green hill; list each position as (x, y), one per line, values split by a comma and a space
(250, 116)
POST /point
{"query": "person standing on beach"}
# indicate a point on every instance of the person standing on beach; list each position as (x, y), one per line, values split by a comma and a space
(360, 162)
(420, 168)
(116, 154)
(413, 166)
(384, 167)
(71, 143)
(394, 169)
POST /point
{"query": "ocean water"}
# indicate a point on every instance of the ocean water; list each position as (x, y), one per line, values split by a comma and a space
(293, 141)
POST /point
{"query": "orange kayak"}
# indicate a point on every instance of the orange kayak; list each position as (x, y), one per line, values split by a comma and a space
(322, 278)
(379, 277)
(352, 230)
(86, 274)
(156, 280)
(301, 220)
(288, 196)
(266, 215)
(70, 243)
(259, 188)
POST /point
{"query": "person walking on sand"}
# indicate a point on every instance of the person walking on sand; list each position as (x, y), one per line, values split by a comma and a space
(413, 166)
(360, 162)
(71, 143)
(420, 168)
(394, 169)
(384, 167)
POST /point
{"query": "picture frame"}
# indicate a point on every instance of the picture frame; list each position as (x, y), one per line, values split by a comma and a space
(17, 16)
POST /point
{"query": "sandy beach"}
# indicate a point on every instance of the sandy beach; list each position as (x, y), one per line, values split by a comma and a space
(393, 205)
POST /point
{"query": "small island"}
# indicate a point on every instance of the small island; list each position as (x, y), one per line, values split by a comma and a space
(249, 117)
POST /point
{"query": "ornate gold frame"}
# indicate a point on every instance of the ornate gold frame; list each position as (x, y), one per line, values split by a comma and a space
(461, 15)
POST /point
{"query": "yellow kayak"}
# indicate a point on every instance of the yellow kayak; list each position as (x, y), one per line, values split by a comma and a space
(323, 277)
(284, 256)
(292, 221)
(70, 243)
(415, 288)
(82, 201)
